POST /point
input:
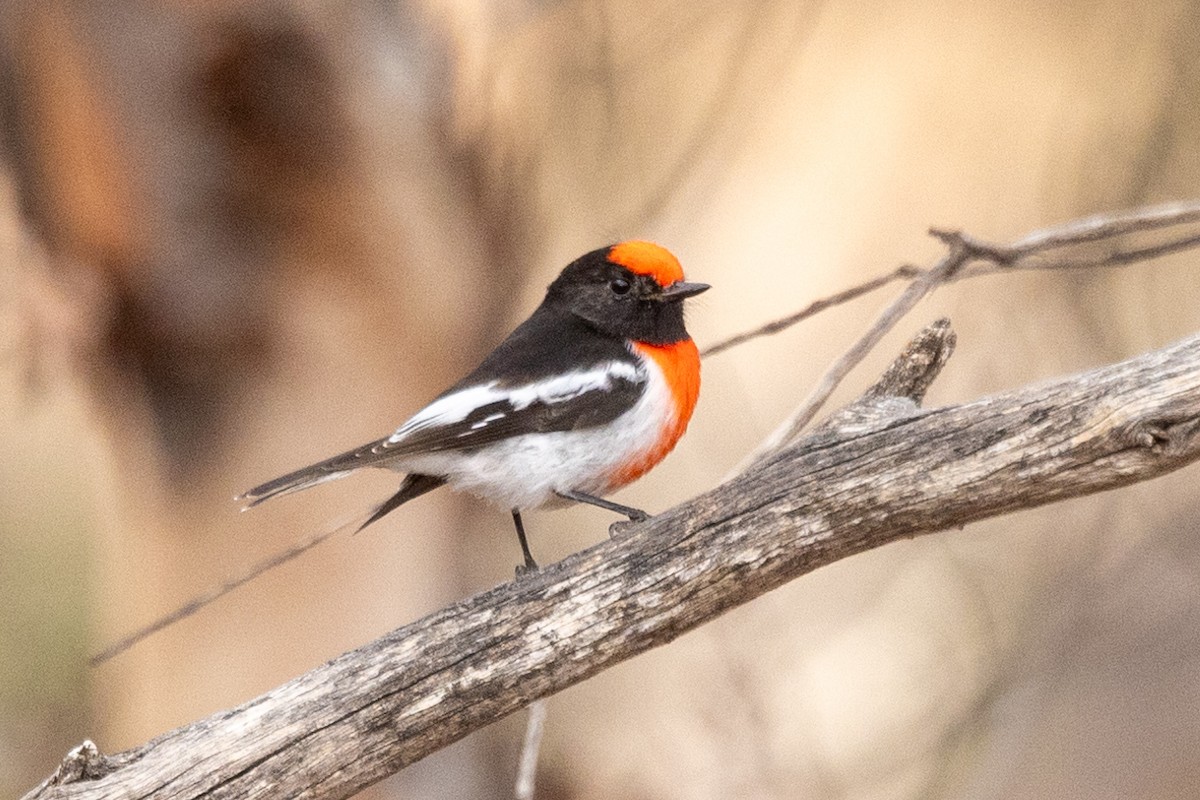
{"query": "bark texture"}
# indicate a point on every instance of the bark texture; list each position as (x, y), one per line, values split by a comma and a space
(881, 470)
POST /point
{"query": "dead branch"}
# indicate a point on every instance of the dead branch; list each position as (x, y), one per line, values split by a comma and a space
(1175, 227)
(1103, 240)
(198, 602)
(812, 309)
(527, 767)
(1179, 223)
(882, 471)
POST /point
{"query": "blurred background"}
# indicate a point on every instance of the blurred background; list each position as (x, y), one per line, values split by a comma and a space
(237, 237)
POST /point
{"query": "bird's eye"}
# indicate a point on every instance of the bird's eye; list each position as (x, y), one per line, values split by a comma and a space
(619, 286)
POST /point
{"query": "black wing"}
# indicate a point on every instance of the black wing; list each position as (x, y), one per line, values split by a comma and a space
(552, 374)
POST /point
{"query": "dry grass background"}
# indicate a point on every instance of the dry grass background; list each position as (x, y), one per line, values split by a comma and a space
(237, 237)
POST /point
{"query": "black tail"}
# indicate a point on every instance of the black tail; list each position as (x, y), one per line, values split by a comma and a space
(330, 469)
(414, 485)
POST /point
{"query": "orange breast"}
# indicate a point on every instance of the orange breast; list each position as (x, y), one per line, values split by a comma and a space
(680, 366)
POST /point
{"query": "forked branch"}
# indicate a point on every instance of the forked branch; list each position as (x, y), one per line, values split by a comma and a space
(879, 470)
(1106, 240)
(1103, 240)
(882, 471)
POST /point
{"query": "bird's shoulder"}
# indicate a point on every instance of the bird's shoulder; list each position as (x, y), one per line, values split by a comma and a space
(553, 373)
(550, 343)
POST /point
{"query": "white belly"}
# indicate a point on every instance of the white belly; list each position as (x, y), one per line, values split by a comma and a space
(526, 471)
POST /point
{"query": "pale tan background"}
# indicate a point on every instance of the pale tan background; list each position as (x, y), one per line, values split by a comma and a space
(237, 237)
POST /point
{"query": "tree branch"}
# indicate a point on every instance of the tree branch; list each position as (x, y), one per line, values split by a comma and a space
(1113, 240)
(860, 482)
(1175, 227)
(812, 309)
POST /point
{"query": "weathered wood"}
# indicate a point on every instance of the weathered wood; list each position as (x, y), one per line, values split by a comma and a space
(841, 490)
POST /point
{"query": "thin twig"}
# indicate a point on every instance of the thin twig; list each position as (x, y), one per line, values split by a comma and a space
(1027, 253)
(927, 282)
(527, 771)
(970, 257)
(1108, 225)
(212, 595)
(1114, 258)
(816, 307)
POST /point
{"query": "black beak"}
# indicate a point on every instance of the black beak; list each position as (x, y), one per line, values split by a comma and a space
(680, 290)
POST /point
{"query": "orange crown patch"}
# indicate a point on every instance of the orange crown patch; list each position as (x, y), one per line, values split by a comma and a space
(647, 258)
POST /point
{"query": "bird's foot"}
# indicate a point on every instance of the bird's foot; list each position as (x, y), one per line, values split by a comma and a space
(623, 527)
(528, 568)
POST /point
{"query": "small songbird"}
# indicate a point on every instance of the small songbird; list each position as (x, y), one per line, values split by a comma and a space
(584, 397)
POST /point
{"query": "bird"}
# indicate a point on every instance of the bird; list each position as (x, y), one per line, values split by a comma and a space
(585, 396)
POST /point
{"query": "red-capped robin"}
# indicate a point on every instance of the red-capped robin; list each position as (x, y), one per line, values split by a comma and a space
(584, 397)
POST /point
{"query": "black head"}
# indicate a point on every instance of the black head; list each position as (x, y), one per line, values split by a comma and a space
(633, 290)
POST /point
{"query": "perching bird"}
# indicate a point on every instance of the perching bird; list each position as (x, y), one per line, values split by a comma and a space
(584, 397)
